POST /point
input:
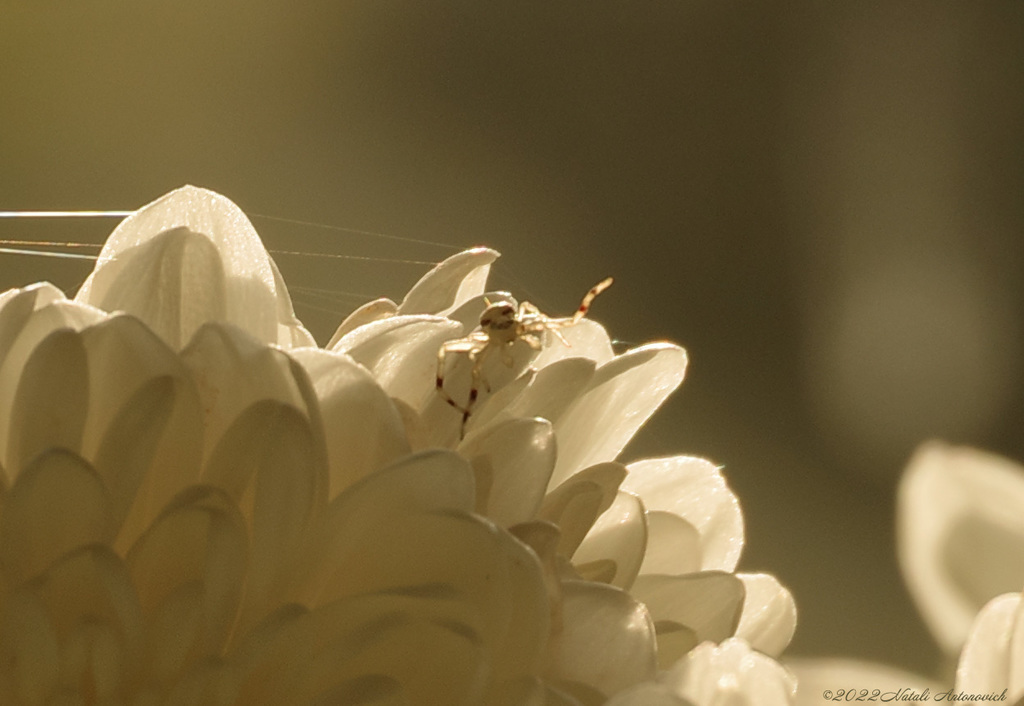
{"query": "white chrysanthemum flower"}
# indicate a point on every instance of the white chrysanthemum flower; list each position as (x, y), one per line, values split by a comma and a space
(201, 506)
(960, 535)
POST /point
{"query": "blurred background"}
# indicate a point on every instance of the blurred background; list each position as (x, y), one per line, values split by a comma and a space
(821, 201)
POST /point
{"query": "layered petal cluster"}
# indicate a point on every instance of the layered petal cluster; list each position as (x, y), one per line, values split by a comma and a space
(200, 506)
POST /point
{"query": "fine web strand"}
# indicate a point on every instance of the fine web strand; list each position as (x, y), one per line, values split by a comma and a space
(321, 299)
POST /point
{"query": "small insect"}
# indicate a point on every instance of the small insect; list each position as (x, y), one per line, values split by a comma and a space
(502, 324)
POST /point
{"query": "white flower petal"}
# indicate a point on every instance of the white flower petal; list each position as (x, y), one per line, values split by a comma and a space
(512, 462)
(188, 258)
(422, 482)
(232, 370)
(51, 402)
(127, 450)
(450, 284)
(268, 462)
(123, 355)
(133, 374)
(769, 614)
(366, 314)
(960, 535)
(606, 640)
(709, 603)
(29, 318)
(695, 490)
(401, 352)
(587, 339)
(730, 673)
(290, 331)
(993, 657)
(190, 567)
(619, 534)
(427, 650)
(363, 429)
(673, 545)
(553, 389)
(58, 503)
(577, 503)
(16, 309)
(91, 585)
(29, 651)
(622, 395)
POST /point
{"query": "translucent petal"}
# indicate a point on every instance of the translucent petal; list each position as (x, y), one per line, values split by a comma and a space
(605, 641)
(554, 389)
(17, 307)
(815, 675)
(91, 585)
(401, 352)
(368, 313)
(450, 283)
(429, 480)
(435, 661)
(960, 535)
(621, 396)
(232, 370)
(369, 646)
(290, 331)
(587, 339)
(709, 603)
(140, 392)
(489, 570)
(363, 429)
(127, 450)
(512, 462)
(673, 545)
(695, 490)
(57, 504)
(174, 282)
(30, 317)
(769, 614)
(51, 401)
(730, 673)
(187, 258)
(620, 534)
(577, 503)
(123, 355)
(190, 565)
(93, 661)
(29, 651)
(993, 657)
(267, 460)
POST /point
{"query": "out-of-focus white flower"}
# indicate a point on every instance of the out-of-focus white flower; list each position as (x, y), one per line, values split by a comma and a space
(199, 504)
(960, 530)
(961, 545)
(993, 658)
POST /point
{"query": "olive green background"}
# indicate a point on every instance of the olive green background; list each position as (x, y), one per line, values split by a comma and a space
(820, 200)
